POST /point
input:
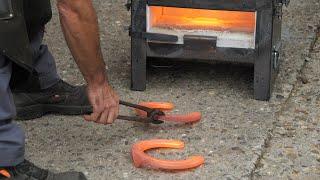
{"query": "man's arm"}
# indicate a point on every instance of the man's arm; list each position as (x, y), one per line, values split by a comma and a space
(80, 27)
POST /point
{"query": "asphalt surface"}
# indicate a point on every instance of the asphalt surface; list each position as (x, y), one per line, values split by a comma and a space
(239, 137)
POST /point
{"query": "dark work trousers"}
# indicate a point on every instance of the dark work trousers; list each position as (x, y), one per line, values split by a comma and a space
(11, 135)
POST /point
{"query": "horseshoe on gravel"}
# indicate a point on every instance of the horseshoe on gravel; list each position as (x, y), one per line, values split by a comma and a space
(141, 159)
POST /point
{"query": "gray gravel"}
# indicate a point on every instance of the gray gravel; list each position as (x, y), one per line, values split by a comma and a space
(294, 150)
(238, 136)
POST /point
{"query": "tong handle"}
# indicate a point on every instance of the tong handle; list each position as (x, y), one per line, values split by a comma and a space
(139, 119)
(133, 118)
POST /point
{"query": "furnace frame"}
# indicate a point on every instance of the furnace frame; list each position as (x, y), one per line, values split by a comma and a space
(265, 56)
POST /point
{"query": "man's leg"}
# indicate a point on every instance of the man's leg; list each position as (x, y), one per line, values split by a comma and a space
(11, 135)
(12, 163)
(44, 62)
(55, 96)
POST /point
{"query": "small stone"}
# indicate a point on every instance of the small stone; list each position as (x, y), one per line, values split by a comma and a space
(125, 175)
(281, 131)
(278, 96)
(307, 59)
(301, 111)
(210, 153)
(291, 153)
(315, 151)
(236, 148)
(304, 79)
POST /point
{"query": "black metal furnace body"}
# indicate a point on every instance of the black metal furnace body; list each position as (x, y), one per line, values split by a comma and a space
(264, 56)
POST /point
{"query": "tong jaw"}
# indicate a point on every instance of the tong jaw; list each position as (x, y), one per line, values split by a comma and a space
(153, 116)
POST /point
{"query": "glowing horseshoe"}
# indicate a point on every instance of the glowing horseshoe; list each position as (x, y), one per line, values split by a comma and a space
(141, 159)
(187, 118)
(163, 106)
(166, 106)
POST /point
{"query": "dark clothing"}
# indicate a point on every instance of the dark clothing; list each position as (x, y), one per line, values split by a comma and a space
(22, 55)
(11, 135)
(29, 17)
(37, 13)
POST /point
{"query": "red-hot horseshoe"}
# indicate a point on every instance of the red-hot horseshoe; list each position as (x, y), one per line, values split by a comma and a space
(166, 106)
(187, 118)
(163, 106)
(141, 159)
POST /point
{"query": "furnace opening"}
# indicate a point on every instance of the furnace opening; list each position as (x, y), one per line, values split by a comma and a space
(232, 28)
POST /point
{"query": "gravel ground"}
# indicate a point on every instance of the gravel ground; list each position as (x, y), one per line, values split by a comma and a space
(238, 136)
(294, 150)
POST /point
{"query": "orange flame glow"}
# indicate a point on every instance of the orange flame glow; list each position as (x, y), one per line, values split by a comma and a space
(186, 18)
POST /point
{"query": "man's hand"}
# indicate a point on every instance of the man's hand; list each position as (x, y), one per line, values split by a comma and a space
(105, 104)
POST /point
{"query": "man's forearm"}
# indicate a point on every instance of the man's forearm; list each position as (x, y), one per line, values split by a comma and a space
(80, 27)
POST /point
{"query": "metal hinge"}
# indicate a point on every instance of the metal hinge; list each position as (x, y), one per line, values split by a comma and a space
(128, 5)
(278, 10)
(275, 58)
(285, 2)
(6, 10)
(278, 4)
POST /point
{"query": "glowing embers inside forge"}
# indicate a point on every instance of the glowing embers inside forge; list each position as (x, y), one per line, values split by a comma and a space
(232, 28)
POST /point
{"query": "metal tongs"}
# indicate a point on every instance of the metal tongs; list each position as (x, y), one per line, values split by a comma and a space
(152, 114)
